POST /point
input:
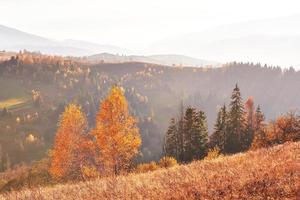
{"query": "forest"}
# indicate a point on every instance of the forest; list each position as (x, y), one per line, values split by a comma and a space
(64, 118)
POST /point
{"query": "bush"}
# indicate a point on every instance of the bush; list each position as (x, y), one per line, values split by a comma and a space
(89, 172)
(37, 175)
(147, 167)
(213, 154)
(167, 162)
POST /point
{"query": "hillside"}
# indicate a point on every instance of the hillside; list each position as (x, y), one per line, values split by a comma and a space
(166, 59)
(264, 174)
(154, 93)
(15, 40)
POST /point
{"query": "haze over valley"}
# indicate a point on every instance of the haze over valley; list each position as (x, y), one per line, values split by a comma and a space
(138, 99)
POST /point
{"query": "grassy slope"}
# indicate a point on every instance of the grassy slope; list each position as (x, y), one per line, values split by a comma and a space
(13, 94)
(264, 174)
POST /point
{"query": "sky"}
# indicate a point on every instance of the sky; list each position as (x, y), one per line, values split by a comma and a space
(133, 23)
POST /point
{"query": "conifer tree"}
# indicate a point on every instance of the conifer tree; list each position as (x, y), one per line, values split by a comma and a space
(236, 123)
(195, 135)
(171, 140)
(259, 118)
(180, 132)
(199, 136)
(189, 131)
(260, 137)
(218, 138)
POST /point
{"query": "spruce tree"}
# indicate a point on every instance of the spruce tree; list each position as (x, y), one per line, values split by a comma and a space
(236, 123)
(180, 133)
(218, 138)
(199, 136)
(260, 138)
(259, 118)
(171, 140)
(189, 131)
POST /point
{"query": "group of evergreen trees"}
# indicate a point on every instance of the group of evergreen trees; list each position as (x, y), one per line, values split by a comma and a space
(187, 136)
(235, 129)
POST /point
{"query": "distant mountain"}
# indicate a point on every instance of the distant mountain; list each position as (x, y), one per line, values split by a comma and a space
(10, 37)
(169, 60)
(116, 58)
(272, 41)
(15, 40)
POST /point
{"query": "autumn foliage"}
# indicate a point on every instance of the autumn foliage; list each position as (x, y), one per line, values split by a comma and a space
(72, 148)
(108, 149)
(116, 133)
(284, 129)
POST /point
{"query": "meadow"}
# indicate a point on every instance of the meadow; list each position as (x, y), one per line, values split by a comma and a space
(13, 94)
(270, 173)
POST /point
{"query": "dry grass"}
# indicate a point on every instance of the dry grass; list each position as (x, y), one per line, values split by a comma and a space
(264, 174)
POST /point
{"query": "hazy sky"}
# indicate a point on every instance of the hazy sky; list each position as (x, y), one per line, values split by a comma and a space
(133, 23)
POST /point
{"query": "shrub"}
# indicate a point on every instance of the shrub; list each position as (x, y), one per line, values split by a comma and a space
(35, 176)
(213, 154)
(89, 172)
(166, 162)
(147, 167)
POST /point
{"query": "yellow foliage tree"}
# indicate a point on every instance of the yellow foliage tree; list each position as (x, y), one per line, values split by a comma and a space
(116, 133)
(73, 148)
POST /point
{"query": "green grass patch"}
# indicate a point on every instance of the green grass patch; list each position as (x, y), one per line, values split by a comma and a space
(13, 95)
(12, 89)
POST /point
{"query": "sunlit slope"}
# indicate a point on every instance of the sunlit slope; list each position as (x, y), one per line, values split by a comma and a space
(264, 174)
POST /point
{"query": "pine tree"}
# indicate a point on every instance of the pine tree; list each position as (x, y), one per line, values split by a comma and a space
(260, 137)
(218, 138)
(116, 133)
(199, 136)
(189, 131)
(236, 123)
(171, 140)
(180, 133)
(195, 135)
(259, 118)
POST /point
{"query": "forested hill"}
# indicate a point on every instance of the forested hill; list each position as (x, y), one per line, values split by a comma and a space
(34, 89)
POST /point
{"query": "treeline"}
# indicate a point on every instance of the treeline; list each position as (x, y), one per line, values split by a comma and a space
(238, 127)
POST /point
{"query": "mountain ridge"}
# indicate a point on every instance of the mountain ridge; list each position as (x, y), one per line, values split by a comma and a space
(15, 40)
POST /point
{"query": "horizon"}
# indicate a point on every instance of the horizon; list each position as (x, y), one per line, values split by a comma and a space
(198, 29)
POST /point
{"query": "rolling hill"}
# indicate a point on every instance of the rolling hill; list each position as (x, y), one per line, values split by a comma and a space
(271, 173)
(15, 40)
(166, 59)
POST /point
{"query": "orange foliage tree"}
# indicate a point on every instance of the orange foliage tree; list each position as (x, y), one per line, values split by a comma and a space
(73, 148)
(285, 128)
(116, 133)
